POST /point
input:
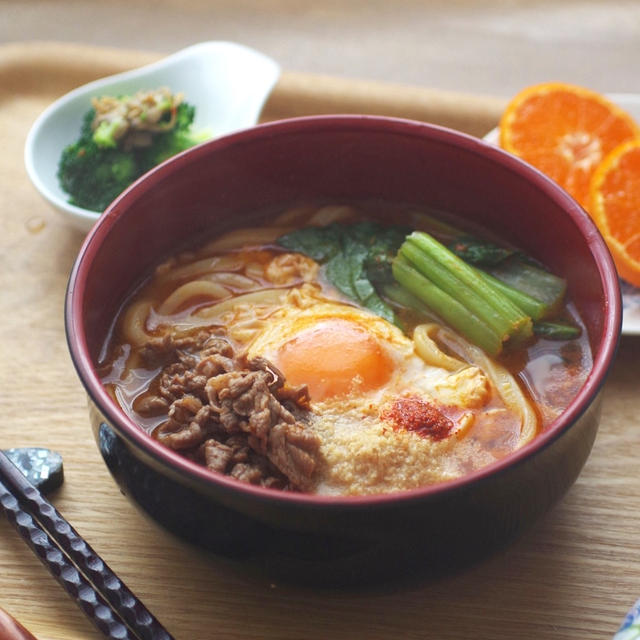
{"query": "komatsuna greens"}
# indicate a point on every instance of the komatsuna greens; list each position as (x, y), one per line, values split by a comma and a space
(494, 296)
(355, 257)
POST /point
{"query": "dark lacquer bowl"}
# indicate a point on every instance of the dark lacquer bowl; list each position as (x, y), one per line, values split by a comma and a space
(341, 158)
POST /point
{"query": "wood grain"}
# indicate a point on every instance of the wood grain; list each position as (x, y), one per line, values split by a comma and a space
(572, 576)
(303, 94)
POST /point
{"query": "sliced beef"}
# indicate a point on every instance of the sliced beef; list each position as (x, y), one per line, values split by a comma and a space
(236, 417)
(167, 349)
(245, 402)
(293, 451)
(188, 425)
(217, 455)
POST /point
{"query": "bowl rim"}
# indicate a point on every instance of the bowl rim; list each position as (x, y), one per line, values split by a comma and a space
(194, 473)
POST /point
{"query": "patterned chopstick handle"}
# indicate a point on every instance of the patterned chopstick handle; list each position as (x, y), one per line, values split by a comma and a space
(62, 570)
(132, 610)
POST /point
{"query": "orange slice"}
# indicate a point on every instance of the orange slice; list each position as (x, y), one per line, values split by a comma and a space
(615, 207)
(565, 131)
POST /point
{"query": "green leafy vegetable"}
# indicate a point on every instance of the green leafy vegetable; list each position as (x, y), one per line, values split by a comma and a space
(556, 330)
(504, 302)
(479, 252)
(356, 256)
(533, 307)
(533, 281)
(319, 243)
(510, 266)
(490, 310)
(466, 284)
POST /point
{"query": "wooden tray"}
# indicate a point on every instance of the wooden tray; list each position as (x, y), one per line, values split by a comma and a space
(574, 575)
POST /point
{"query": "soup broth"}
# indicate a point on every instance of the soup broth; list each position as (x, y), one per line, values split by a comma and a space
(306, 371)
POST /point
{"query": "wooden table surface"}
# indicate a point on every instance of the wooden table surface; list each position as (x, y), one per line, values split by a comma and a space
(574, 575)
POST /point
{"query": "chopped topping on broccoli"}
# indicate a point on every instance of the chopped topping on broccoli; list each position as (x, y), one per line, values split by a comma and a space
(120, 140)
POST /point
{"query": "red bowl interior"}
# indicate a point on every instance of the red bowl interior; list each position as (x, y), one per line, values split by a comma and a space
(223, 183)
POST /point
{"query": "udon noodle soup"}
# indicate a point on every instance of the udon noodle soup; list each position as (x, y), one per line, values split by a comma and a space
(248, 358)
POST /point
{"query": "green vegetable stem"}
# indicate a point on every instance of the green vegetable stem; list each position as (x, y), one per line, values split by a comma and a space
(448, 307)
(466, 284)
(506, 306)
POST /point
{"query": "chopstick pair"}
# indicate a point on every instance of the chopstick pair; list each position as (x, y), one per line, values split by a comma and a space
(97, 590)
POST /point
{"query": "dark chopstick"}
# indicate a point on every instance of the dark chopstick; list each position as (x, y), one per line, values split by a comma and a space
(91, 603)
(97, 590)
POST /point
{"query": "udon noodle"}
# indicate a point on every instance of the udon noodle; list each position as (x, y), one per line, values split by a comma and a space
(245, 358)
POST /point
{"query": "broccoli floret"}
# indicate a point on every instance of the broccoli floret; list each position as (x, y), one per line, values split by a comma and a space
(185, 113)
(95, 169)
(94, 176)
(168, 144)
(86, 129)
(104, 135)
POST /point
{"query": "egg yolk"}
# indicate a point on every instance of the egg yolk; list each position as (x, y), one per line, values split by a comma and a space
(333, 357)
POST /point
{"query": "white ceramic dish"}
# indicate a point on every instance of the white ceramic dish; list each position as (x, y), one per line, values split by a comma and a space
(228, 84)
(630, 294)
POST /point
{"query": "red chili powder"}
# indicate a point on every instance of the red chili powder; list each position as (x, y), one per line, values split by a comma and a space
(414, 414)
